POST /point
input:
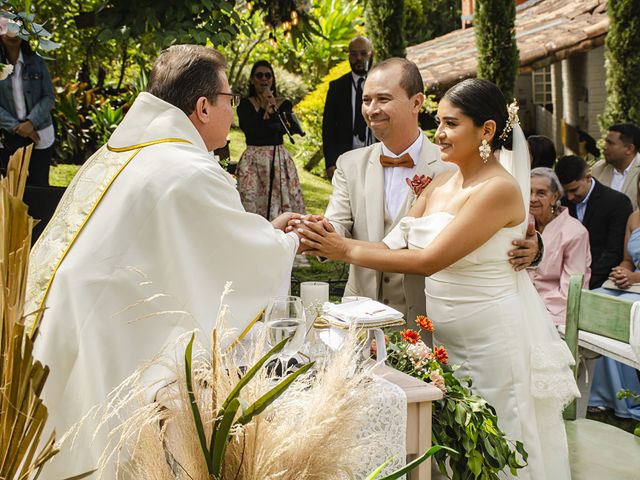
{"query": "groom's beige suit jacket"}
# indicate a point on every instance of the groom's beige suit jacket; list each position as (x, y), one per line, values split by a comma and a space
(357, 210)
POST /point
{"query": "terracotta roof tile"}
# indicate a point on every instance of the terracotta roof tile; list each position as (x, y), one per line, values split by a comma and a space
(547, 30)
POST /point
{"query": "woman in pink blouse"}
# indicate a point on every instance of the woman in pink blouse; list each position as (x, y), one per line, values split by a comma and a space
(566, 243)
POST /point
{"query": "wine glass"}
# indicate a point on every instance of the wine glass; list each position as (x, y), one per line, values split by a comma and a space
(284, 318)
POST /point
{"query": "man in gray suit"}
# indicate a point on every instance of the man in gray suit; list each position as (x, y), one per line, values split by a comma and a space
(370, 192)
(621, 165)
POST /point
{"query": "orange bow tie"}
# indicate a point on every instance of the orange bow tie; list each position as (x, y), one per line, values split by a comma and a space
(404, 160)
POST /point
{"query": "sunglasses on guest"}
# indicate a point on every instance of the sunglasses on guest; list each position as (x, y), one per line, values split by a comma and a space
(261, 75)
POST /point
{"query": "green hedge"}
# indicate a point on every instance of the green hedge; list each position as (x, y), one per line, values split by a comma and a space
(310, 110)
(622, 64)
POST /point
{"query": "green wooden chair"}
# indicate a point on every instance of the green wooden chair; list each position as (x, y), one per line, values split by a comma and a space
(597, 450)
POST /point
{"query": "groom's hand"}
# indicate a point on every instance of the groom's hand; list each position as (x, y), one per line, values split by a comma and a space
(527, 249)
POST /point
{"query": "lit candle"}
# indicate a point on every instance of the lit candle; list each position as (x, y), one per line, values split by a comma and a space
(312, 295)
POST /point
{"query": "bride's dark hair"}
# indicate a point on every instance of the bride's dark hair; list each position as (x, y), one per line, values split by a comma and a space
(482, 100)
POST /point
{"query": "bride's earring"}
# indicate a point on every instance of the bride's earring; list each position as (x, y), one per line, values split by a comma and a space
(485, 150)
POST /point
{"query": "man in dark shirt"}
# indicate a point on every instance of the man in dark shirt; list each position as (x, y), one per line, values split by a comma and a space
(602, 210)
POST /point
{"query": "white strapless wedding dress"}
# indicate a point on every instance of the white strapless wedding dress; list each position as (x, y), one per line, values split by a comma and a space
(494, 325)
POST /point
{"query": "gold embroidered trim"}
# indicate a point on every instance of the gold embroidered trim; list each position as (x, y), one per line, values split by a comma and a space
(75, 235)
(146, 144)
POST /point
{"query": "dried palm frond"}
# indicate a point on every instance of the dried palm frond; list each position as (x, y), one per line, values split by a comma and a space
(22, 413)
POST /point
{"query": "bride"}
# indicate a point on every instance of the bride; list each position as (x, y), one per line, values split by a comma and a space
(457, 234)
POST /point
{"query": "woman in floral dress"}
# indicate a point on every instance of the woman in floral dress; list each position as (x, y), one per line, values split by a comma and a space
(267, 178)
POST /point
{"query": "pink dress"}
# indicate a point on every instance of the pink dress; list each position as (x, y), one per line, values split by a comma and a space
(566, 252)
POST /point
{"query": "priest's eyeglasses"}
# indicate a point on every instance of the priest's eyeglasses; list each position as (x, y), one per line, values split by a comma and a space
(235, 98)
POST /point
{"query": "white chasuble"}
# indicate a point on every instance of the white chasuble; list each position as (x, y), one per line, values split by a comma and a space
(138, 252)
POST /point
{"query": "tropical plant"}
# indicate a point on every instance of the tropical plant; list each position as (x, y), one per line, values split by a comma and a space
(104, 120)
(20, 21)
(498, 58)
(71, 118)
(462, 420)
(622, 64)
(385, 27)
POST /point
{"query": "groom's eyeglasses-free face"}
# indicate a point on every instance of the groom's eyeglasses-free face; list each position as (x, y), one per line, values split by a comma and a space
(235, 98)
(261, 75)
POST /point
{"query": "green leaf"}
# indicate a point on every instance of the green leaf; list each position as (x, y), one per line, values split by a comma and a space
(268, 398)
(410, 466)
(474, 463)
(48, 45)
(252, 372)
(377, 471)
(197, 418)
(221, 437)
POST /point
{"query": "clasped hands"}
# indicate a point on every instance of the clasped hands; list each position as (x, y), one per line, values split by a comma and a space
(317, 236)
(621, 277)
(25, 129)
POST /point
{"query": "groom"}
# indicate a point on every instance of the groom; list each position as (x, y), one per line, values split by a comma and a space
(370, 192)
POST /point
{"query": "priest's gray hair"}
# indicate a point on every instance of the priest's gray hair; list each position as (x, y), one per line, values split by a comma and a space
(554, 182)
(184, 73)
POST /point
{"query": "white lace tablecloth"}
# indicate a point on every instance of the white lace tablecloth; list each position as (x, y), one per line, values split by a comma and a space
(384, 430)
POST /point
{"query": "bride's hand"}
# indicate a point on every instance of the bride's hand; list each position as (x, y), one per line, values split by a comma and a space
(321, 240)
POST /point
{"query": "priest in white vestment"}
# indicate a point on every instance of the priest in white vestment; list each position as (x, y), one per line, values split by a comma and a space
(142, 245)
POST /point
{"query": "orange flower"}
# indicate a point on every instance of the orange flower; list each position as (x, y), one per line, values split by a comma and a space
(441, 354)
(424, 323)
(410, 336)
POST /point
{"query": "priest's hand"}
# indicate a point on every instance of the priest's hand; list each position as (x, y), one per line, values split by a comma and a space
(320, 239)
(281, 221)
(297, 220)
(527, 250)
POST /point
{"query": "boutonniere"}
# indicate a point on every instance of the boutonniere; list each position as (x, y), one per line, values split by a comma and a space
(418, 183)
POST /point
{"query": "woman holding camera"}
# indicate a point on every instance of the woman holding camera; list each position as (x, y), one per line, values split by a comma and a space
(267, 177)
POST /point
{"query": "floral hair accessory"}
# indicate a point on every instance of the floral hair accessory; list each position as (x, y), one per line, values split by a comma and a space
(418, 183)
(512, 110)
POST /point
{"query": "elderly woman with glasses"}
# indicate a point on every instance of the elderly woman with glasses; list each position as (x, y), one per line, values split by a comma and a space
(267, 177)
(566, 243)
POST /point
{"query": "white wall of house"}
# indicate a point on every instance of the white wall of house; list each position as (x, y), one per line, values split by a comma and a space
(596, 90)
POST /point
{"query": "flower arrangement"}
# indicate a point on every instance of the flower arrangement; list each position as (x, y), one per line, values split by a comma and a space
(462, 421)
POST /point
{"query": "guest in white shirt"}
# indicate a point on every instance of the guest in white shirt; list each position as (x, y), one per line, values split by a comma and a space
(621, 165)
(26, 100)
